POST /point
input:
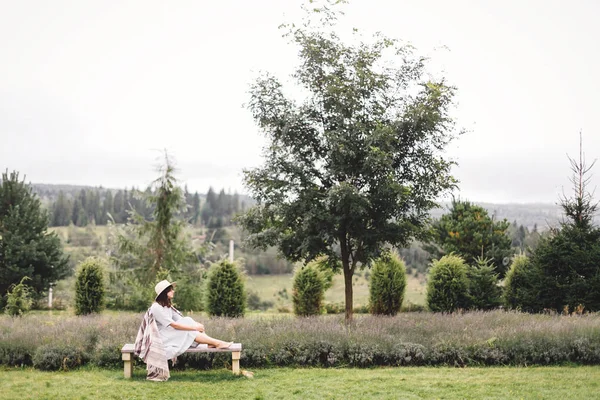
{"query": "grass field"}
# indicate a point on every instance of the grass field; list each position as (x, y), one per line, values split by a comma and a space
(271, 287)
(81, 242)
(311, 383)
(99, 231)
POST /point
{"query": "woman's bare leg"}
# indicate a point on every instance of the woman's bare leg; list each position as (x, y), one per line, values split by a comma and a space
(203, 338)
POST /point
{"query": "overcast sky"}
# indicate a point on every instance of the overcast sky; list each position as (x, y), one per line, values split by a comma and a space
(91, 91)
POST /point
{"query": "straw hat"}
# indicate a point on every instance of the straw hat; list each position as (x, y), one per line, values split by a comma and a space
(161, 286)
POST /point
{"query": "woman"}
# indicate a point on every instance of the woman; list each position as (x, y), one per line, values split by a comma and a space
(178, 333)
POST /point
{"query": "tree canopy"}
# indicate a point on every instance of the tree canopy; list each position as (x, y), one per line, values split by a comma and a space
(358, 162)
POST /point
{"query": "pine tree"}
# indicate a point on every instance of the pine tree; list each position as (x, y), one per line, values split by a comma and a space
(484, 292)
(26, 247)
(448, 284)
(211, 198)
(83, 198)
(522, 286)
(149, 247)
(61, 212)
(236, 203)
(569, 260)
(195, 209)
(94, 209)
(222, 204)
(126, 207)
(207, 215)
(470, 232)
(226, 295)
(82, 218)
(522, 234)
(76, 211)
(387, 285)
(118, 207)
(107, 208)
(309, 286)
(89, 287)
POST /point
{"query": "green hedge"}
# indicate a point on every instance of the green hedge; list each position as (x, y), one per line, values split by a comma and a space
(408, 339)
(57, 357)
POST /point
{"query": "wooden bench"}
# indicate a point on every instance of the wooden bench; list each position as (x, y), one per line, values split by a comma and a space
(235, 350)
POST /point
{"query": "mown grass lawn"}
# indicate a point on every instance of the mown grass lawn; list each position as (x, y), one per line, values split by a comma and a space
(565, 382)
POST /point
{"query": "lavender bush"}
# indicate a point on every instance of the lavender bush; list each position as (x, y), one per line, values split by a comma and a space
(408, 339)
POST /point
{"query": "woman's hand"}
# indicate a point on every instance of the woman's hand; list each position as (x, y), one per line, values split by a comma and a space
(199, 327)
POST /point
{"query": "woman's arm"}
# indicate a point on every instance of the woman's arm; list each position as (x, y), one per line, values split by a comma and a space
(198, 327)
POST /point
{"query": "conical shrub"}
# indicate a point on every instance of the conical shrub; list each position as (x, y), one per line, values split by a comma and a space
(387, 285)
(225, 293)
(89, 287)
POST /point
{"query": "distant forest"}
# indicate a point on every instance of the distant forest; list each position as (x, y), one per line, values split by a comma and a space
(82, 205)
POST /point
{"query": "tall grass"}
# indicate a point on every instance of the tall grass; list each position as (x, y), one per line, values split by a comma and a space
(475, 338)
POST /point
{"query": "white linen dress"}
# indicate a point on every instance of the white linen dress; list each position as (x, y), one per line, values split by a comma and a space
(175, 341)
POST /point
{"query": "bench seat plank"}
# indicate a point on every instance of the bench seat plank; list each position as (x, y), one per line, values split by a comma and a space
(128, 348)
(235, 350)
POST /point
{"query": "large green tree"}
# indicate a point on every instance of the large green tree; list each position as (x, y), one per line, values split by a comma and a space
(358, 163)
(26, 246)
(468, 230)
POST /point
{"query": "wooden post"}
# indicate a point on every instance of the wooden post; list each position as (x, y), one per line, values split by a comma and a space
(128, 367)
(231, 250)
(235, 362)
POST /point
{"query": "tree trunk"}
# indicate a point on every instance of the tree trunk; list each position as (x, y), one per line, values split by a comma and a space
(348, 273)
(348, 289)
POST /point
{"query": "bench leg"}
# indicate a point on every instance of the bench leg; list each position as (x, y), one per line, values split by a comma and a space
(235, 362)
(128, 366)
